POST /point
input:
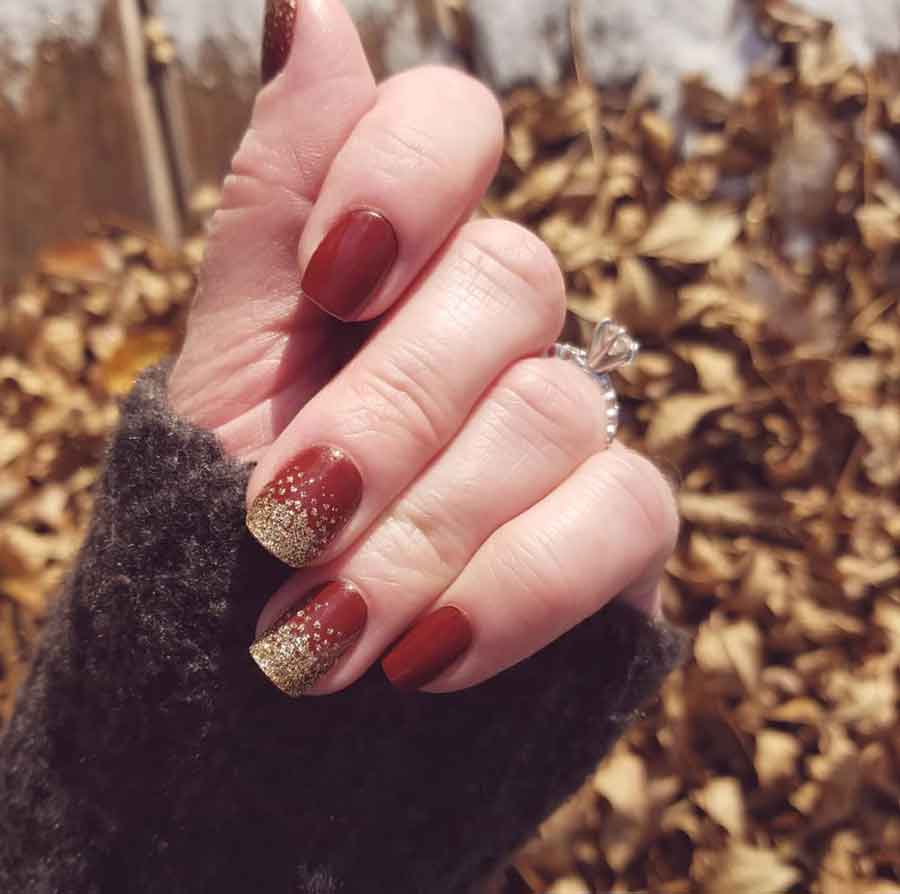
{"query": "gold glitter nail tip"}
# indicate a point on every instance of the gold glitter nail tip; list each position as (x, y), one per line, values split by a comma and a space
(306, 642)
(303, 509)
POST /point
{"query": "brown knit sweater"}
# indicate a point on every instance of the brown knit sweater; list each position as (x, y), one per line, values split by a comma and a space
(148, 754)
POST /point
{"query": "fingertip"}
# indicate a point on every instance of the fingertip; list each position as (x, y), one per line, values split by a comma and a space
(652, 493)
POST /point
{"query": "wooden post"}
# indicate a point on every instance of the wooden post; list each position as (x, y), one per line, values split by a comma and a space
(158, 162)
(81, 141)
(100, 130)
(205, 95)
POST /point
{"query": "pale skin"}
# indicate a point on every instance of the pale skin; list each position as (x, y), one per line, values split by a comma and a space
(489, 482)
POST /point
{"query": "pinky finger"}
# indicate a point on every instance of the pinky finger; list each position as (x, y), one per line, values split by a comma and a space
(606, 531)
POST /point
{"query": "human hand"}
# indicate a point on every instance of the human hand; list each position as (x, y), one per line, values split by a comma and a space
(450, 485)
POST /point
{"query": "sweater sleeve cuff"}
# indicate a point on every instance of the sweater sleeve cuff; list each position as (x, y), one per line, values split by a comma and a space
(147, 752)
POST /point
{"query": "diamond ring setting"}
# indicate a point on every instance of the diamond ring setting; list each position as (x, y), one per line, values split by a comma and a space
(611, 348)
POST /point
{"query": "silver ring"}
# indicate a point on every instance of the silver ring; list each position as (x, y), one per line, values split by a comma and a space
(611, 348)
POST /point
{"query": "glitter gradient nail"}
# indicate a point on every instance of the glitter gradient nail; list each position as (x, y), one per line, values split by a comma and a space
(278, 36)
(306, 642)
(300, 513)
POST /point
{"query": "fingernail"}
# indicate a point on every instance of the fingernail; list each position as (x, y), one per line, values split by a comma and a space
(278, 36)
(428, 649)
(306, 642)
(300, 512)
(350, 263)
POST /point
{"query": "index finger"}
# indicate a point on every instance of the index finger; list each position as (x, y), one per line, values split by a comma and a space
(413, 169)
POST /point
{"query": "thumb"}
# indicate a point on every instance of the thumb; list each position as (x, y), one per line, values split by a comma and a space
(254, 352)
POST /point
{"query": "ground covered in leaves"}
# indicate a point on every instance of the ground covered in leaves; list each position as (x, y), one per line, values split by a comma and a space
(752, 247)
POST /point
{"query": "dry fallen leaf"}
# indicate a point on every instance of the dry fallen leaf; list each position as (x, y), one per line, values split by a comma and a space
(622, 781)
(569, 885)
(686, 234)
(724, 649)
(881, 428)
(13, 443)
(141, 350)
(88, 262)
(879, 225)
(750, 870)
(679, 416)
(755, 512)
(717, 369)
(776, 756)
(723, 800)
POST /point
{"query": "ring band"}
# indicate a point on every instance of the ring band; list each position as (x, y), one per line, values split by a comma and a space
(611, 348)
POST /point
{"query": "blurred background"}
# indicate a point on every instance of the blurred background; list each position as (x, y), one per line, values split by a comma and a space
(723, 176)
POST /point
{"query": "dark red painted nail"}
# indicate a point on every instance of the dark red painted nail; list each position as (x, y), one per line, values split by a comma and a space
(278, 36)
(307, 641)
(350, 263)
(428, 649)
(304, 508)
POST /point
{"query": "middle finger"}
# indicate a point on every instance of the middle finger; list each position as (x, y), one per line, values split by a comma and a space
(494, 296)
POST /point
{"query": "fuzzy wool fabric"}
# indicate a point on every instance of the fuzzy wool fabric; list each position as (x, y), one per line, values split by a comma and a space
(147, 753)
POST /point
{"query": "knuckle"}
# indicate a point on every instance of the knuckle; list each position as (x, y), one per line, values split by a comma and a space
(269, 160)
(519, 268)
(258, 168)
(424, 540)
(398, 401)
(547, 401)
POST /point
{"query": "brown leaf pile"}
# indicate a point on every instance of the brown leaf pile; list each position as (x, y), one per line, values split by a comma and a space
(752, 247)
